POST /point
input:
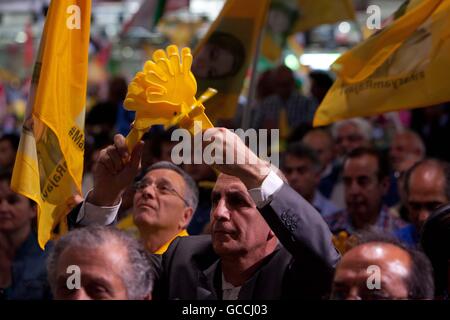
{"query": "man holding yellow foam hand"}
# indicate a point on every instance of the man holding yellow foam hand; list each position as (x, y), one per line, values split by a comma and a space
(165, 196)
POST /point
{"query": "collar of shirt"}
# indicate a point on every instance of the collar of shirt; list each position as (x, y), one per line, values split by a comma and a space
(182, 233)
(229, 292)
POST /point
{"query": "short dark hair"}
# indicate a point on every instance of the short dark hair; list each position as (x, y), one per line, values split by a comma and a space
(420, 282)
(13, 138)
(321, 78)
(444, 166)
(191, 190)
(302, 151)
(6, 175)
(383, 164)
(435, 241)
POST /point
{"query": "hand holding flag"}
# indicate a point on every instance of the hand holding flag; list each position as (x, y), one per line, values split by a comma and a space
(164, 93)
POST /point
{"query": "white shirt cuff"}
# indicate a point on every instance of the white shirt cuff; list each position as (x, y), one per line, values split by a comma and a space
(91, 214)
(263, 195)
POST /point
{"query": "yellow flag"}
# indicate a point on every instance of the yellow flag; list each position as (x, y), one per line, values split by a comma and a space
(49, 162)
(222, 58)
(404, 66)
(317, 12)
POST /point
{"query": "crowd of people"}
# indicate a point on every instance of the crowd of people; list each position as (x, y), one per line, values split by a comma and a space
(363, 198)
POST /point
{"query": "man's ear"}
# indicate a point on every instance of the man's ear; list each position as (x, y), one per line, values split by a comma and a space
(186, 218)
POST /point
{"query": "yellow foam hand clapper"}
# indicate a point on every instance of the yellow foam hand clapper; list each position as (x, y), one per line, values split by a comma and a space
(164, 93)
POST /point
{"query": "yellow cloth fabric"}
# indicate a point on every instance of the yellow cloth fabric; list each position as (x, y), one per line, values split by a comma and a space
(402, 67)
(182, 233)
(127, 224)
(49, 161)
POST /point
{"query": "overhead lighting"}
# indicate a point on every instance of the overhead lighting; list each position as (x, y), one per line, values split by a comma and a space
(291, 61)
(21, 37)
(320, 61)
(344, 27)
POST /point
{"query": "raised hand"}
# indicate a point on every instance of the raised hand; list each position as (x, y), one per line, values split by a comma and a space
(114, 171)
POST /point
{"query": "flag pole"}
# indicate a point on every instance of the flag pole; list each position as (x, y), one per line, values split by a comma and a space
(245, 123)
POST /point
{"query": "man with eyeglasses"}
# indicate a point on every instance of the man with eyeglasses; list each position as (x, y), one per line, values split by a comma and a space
(380, 268)
(164, 201)
(427, 187)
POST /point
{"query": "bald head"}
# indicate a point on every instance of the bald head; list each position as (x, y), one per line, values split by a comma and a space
(427, 187)
(407, 148)
(382, 270)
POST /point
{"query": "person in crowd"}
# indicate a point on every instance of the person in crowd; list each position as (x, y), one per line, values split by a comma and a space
(322, 142)
(435, 241)
(348, 135)
(427, 187)
(164, 201)
(253, 210)
(287, 108)
(366, 180)
(321, 82)
(301, 166)
(407, 148)
(22, 261)
(380, 268)
(9, 143)
(100, 263)
(351, 134)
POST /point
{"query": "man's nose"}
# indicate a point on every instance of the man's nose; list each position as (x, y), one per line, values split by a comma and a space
(353, 294)
(353, 188)
(221, 212)
(149, 191)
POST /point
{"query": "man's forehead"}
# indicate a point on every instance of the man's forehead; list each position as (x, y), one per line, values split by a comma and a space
(225, 181)
(363, 162)
(384, 255)
(162, 172)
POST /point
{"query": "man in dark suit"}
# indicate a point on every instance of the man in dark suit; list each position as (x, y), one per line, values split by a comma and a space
(267, 242)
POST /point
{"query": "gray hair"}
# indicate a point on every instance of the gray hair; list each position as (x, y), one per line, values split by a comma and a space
(138, 277)
(191, 190)
(364, 127)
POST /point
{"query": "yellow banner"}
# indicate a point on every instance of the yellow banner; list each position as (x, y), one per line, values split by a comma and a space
(49, 162)
(404, 66)
(222, 58)
(317, 12)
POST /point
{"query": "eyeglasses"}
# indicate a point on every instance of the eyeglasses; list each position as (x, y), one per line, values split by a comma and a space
(162, 187)
(375, 294)
(426, 206)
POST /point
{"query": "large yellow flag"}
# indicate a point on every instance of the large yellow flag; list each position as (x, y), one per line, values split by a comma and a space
(404, 66)
(49, 163)
(222, 58)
